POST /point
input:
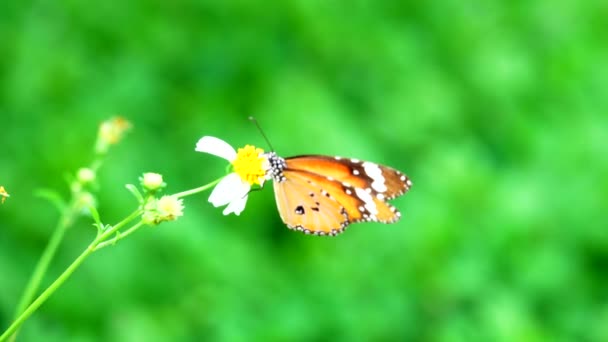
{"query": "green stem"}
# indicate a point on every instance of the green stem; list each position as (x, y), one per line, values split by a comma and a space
(120, 236)
(43, 263)
(65, 221)
(67, 218)
(65, 275)
(119, 225)
(197, 190)
(46, 294)
(42, 266)
(99, 242)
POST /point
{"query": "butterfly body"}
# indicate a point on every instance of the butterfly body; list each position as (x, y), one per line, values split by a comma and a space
(322, 195)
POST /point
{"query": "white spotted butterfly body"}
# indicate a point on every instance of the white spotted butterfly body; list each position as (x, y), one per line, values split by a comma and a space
(322, 195)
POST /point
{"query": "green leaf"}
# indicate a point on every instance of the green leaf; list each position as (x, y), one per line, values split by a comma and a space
(52, 196)
(135, 192)
(95, 215)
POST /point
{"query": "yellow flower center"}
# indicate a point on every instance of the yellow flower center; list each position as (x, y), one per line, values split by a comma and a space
(250, 164)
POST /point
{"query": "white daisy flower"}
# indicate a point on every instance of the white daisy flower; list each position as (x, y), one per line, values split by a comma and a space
(249, 166)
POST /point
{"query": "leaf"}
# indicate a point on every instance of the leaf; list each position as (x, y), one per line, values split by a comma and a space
(95, 215)
(135, 192)
(52, 196)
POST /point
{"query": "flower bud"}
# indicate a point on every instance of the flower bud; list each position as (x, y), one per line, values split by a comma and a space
(152, 181)
(170, 208)
(167, 208)
(111, 132)
(84, 201)
(3, 194)
(85, 175)
(149, 217)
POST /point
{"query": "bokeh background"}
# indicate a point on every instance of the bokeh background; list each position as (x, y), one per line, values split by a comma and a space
(496, 110)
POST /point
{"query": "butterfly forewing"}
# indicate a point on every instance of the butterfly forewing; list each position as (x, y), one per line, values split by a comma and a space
(383, 180)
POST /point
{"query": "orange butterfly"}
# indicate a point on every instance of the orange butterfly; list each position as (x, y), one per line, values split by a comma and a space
(315, 194)
(322, 195)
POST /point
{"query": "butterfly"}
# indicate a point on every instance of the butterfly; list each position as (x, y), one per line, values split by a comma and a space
(322, 195)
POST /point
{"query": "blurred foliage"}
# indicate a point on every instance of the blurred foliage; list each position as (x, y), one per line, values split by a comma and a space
(496, 110)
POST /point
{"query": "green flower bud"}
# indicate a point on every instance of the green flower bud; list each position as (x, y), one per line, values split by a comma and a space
(152, 181)
(85, 175)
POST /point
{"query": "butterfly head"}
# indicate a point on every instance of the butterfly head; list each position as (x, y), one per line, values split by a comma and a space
(276, 165)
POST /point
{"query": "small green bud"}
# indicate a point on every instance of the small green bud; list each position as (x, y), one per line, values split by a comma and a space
(149, 218)
(150, 215)
(3, 194)
(84, 201)
(152, 181)
(85, 175)
(111, 132)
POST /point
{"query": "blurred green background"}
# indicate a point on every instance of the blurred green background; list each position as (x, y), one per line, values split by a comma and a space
(496, 110)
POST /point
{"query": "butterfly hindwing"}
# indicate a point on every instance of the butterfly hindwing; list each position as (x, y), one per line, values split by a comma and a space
(305, 206)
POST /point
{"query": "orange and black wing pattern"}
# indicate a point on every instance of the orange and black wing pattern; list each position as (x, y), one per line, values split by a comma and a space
(322, 195)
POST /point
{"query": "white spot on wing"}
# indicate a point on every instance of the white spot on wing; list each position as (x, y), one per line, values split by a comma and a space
(356, 172)
(375, 173)
(368, 201)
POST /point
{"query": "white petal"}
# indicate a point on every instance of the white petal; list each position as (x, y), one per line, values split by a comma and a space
(217, 147)
(226, 190)
(237, 205)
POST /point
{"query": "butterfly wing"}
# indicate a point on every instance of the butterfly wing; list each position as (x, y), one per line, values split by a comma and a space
(305, 206)
(381, 179)
(323, 195)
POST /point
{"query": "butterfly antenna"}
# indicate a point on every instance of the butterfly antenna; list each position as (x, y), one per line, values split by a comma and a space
(255, 122)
